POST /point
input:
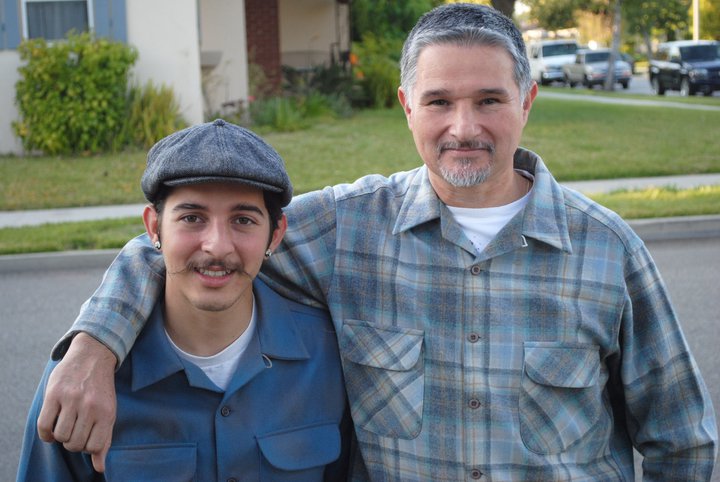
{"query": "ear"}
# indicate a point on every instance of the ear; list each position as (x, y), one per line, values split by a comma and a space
(528, 102)
(407, 108)
(150, 219)
(278, 234)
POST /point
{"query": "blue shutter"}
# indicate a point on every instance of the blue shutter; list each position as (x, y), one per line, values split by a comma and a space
(110, 19)
(9, 24)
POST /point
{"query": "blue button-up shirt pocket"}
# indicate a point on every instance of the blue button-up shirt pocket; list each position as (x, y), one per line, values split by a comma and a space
(299, 454)
(384, 377)
(560, 398)
(152, 462)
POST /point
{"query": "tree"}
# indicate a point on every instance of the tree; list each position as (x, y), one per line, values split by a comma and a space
(554, 14)
(648, 16)
(505, 6)
(617, 30)
(710, 19)
(387, 19)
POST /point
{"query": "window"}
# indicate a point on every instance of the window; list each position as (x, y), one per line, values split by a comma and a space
(52, 20)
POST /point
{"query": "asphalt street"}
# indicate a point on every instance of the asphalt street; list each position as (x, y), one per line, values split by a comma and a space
(38, 303)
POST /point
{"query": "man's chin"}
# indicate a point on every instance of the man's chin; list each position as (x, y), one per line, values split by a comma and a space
(464, 178)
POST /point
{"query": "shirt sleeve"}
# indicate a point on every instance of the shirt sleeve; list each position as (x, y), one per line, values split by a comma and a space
(302, 267)
(119, 308)
(42, 461)
(669, 411)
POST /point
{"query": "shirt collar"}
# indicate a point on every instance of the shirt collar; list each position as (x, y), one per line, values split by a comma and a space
(154, 359)
(544, 217)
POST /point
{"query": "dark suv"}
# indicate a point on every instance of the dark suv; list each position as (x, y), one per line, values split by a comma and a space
(687, 66)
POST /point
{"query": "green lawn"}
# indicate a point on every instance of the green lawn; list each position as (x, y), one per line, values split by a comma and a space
(578, 140)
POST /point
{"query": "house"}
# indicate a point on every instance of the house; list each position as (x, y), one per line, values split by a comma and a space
(200, 48)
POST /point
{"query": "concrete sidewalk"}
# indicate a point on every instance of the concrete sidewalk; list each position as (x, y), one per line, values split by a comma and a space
(689, 227)
(42, 216)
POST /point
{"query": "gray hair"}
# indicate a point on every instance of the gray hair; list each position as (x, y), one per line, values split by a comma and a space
(465, 24)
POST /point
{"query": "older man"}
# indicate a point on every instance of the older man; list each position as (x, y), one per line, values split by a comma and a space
(493, 324)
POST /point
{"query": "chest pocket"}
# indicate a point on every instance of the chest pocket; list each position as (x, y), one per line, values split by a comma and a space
(300, 454)
(560, 397)
(152, 462)
(384, 377)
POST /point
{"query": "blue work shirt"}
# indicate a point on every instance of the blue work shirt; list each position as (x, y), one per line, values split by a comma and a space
(282, 417)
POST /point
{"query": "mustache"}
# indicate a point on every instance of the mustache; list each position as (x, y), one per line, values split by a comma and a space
(444, 146)
(216, 264)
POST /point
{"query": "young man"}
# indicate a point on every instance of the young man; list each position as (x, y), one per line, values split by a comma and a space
(493, 324)
(228, 381)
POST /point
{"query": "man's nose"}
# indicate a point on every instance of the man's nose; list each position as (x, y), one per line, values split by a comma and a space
(218, 240)
(465, 122)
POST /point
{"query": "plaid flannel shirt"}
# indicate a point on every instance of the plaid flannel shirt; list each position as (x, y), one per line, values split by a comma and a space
(547, 356)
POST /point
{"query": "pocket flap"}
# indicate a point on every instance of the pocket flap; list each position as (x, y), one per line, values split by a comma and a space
(303, 448)
(387, 347)
(562, 364)
(151, 462)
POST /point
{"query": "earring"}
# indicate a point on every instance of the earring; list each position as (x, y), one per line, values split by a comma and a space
(157, 245)
(268, 253)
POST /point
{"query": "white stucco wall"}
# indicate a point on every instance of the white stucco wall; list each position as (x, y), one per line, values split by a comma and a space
(222, 36)
(309, 29)
(168, 49)
(9, 63)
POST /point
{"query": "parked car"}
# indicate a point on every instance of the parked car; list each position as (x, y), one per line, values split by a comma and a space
(547, 58)
(686, 65)
(591, 66)
(629, 59)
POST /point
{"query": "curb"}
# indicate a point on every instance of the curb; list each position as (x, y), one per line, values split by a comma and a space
(90, 259)
(669, 229)
(657, 229)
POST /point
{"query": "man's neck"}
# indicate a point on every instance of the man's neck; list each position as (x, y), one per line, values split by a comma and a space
(493, 192)
(206, 333)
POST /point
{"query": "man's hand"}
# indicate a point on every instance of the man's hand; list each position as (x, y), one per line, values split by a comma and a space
(79, 406)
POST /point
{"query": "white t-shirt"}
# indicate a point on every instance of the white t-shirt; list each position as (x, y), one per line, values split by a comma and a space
(481, 225)
(220, 367)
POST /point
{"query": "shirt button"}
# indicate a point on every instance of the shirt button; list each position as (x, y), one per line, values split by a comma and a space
(474, 403)
(476, 474)
(232, 479)
(475, 269)
(473, 337)
(225, 411)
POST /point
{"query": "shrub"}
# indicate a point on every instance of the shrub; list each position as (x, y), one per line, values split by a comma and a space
(377, 70)
(72, 94)
(152, 113)
(280, 113)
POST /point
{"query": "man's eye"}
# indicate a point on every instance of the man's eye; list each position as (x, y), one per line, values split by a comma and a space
(438, 102)
(244, 220)
(489, 101)
(191, 218)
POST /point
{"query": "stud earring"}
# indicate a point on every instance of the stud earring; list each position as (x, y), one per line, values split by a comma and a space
(268, 253)
(157, 245)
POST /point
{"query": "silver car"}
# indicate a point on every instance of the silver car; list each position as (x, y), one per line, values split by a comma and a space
(591, 66)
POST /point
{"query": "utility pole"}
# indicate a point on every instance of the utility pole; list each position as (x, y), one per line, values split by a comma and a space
(696, 19)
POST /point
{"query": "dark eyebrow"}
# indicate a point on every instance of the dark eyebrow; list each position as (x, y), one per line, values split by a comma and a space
(200, 207)
(188, 207)
(444, 92)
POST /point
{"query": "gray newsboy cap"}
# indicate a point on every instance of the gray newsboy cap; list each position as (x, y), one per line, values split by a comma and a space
(216, 151)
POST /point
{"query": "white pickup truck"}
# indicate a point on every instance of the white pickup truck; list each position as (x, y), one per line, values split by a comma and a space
(547, 58)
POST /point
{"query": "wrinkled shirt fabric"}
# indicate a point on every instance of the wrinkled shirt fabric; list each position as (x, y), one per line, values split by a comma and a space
(547, 356)
(283, 416)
